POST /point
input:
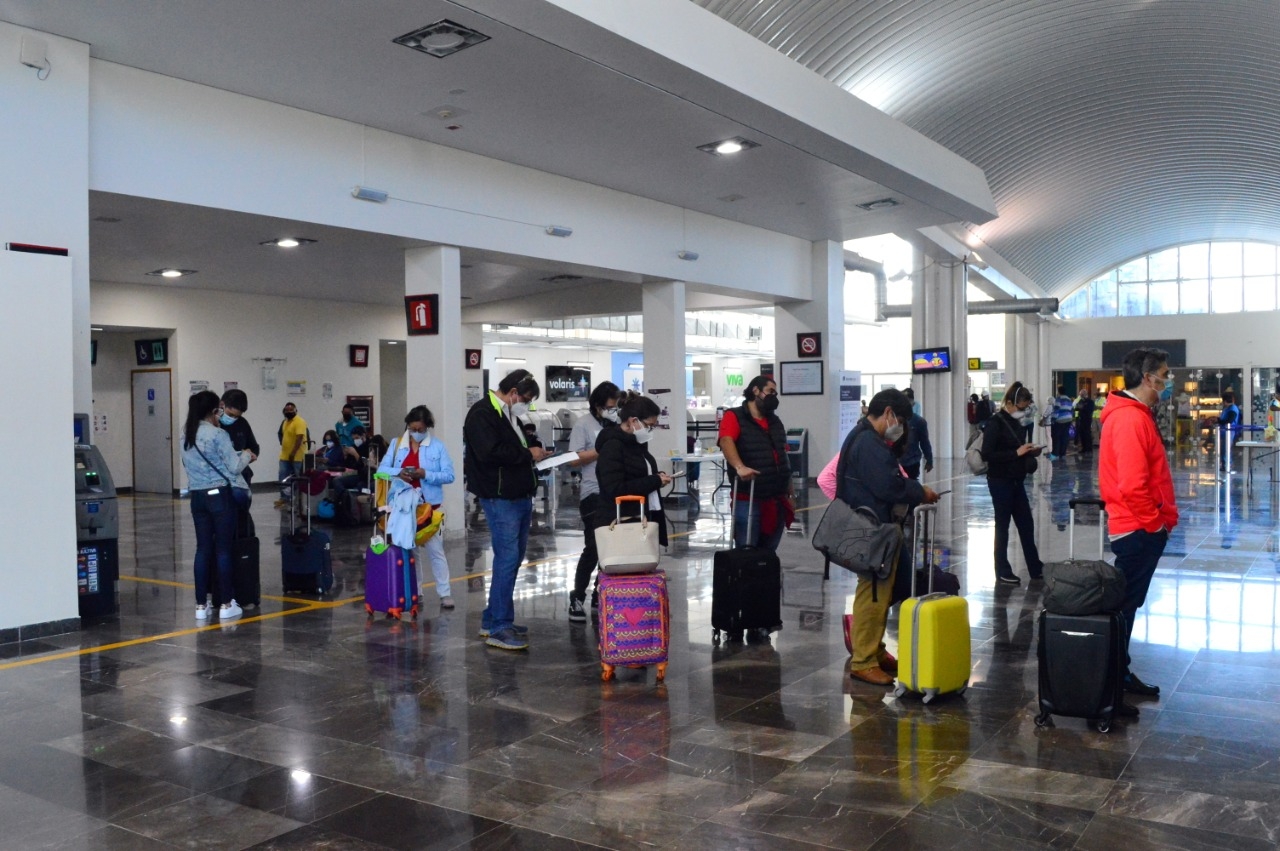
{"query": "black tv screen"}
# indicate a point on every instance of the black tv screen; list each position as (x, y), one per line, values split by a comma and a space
(930, 360)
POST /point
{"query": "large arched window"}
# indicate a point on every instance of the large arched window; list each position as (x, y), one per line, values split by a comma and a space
(1202, 277)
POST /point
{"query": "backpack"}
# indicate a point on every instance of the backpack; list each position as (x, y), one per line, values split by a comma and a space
(973, 452)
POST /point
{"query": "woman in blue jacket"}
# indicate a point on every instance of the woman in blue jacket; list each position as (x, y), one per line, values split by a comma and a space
(417, 459)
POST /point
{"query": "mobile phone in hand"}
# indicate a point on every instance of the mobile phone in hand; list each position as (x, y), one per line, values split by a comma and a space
(679, 475)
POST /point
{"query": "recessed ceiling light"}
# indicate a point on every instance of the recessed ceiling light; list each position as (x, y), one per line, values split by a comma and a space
(171, 273)
(586, 363)
(878, 204)
(288, 242)
(441, 39)
(94, 328)
(508, 360)
(635, 366)
(728, 147)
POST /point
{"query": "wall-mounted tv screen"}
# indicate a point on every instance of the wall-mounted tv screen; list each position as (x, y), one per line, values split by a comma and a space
(930, 360)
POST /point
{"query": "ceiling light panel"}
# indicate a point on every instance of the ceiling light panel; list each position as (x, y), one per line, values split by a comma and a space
(728, 147)
(171, 273)
(288, 242)
(441, 39)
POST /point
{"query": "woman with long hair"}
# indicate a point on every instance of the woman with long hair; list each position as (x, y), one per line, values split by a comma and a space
(417, 460)
(624, 466)
(602, 414)
(1010, 457)
(213, 466)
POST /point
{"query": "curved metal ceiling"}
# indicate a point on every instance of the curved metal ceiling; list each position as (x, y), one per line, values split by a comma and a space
(1107, 128)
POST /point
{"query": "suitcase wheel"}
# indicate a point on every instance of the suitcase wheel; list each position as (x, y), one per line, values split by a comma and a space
(928, 696)
(899, 690)
(715, 637)
(413, 612)
(368, 609)
(662, 671)
(1102, 725)
(1044, 720)
(606, 671)
(394, 613)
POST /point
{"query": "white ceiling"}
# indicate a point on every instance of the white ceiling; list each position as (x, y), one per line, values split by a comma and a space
(1106, 128)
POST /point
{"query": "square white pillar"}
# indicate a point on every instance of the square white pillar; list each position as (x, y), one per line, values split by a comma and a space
(663, 309)
(434, 363)
(823, 313)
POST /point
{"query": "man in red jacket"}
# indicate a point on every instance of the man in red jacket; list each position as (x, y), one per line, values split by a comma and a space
(1133, 475)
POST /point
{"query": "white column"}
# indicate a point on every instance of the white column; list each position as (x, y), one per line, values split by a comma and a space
(824, 313)
(939, 317)
(663, 306)
(435, 373)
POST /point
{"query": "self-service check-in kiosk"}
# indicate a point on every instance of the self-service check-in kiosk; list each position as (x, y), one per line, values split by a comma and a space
(798, 452)
(97, 534)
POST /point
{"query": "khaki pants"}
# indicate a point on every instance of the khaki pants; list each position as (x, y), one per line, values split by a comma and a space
(870, 617)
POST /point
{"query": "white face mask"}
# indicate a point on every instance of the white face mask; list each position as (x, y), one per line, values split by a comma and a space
(328, 444)
(610, 414)
(519, 409)
(358, 442)
(893, 432)
(642, 433)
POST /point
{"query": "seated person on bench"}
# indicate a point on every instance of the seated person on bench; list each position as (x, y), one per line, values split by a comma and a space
(355, 459)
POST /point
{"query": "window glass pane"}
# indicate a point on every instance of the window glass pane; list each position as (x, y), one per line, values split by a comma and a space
(1193, 261)
(1133, 299)
(1259, 259)
(1260, 293)
(1224, 261)
(1193, 296)
(1164, 298)
(1077, 306)
(1225, 296)
(1164, 265)
(1103, 291)
(1134, 270)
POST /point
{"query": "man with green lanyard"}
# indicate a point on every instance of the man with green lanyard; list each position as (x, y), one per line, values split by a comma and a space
(499, 467)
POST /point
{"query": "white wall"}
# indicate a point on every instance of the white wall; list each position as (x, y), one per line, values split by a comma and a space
(1221, 339)
(38, 533)
(112, 401)
(217, 336)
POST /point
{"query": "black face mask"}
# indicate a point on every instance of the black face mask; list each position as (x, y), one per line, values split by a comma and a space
(288, 415)
(346, 418)
(767, 404)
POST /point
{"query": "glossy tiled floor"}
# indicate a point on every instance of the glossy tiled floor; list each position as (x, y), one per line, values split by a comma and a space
(314, 728)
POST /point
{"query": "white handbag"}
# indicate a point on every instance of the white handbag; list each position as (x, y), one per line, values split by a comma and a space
(628, 547)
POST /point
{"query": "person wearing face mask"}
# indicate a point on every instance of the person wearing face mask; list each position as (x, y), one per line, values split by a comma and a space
(234, 405)
(293, 446)
(347, 426)
(499, 469)
(1060, 424)
(1135, 483)
(873, 479)
(1010, 457)
(355, 459)
(417, 460)
(625, 467)
(754, 443)
(329, 452)
(602, 414)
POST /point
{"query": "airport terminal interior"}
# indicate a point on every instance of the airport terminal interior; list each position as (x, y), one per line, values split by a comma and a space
(326, 204)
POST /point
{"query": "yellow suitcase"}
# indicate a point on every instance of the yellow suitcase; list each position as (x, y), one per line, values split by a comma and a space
(933, 630)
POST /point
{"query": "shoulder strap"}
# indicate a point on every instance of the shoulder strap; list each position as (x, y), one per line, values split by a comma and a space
(212, 466)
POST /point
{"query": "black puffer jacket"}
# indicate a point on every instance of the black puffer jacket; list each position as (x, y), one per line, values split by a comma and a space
(625, 468)
(763, 451)
(1001, 437)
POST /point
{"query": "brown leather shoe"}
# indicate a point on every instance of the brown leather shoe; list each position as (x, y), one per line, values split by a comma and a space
(888, 663)
(875, 676)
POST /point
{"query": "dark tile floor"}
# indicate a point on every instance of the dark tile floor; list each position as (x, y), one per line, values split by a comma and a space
(308, 726)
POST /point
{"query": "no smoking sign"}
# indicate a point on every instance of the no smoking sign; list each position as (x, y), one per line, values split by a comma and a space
(809, 344)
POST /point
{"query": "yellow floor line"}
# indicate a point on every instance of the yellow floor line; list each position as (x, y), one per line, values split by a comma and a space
(172, 584)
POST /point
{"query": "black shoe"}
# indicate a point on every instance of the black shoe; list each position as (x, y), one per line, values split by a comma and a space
(576, 612)
(1009, 579)
(1036, 575)
(1125, 710)
(1133, 685)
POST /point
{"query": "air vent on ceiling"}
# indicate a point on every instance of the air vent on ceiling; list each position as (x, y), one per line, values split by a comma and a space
(441, 39)
(555, 279)
(878, 204)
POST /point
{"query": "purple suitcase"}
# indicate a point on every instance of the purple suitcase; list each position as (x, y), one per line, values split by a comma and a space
(386, 578)
(635, 622)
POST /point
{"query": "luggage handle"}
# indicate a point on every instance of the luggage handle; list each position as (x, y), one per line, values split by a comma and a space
(921, 530)
(733, 505)
(293, 514)
(1071, 523)
(644, 509)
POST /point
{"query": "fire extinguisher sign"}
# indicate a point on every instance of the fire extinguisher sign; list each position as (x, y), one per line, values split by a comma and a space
(422, 314)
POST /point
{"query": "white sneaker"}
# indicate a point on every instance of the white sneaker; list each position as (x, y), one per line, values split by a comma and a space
(230, 610)
(202, 613)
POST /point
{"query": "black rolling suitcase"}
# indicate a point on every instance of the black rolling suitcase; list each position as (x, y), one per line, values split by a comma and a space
(1082, 657)
(746, 586)
(305, 561)
(245, 577)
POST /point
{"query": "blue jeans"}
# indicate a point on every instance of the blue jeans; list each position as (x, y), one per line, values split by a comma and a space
(1136, 557)
(215, 518)
(758, 538)
(508, 521)
(1009, 498)
(288, 469)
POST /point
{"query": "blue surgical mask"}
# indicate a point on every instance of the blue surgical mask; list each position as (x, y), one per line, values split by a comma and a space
(227, 420)
(418, 436)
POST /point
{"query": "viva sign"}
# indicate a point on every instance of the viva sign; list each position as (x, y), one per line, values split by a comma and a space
(733, 384)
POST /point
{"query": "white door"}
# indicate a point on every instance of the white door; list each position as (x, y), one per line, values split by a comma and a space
(152, 432)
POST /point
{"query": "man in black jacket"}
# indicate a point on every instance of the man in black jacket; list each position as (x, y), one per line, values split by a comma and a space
(870, 476)
(234, 405)
(499, 467)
